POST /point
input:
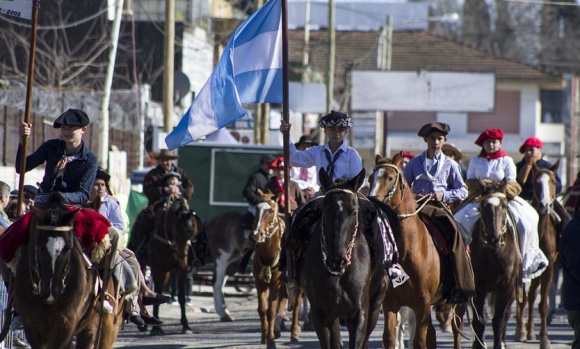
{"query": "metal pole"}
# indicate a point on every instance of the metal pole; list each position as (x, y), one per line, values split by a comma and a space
(306, 59)
(285, 112)
(103, 153)
(331, 61)
(29, 83)
(168, 62)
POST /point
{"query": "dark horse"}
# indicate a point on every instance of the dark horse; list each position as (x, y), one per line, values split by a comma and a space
(417, 254)
(342, 270)
(543, 200)
(177, 228)
(54, 285)
(272, 298)
(497, 263)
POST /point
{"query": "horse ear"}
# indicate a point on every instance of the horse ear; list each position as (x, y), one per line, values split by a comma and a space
(325, 181)
(378, 159)
(69, 217)
(555, 167)
(358, 180)
(398, 158)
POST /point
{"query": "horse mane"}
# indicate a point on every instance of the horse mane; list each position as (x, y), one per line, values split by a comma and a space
(56, 212)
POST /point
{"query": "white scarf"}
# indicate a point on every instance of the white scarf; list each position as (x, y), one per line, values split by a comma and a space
(433, 178)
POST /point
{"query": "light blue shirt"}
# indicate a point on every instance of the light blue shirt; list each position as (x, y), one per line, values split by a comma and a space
(347, 165)
(445, 176)
(111, 210)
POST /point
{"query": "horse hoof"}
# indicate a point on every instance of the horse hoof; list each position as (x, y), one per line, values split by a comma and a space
(227, 318)
(545, 344)
(531, 337)
(294, 339)
(186, 330)
(157, 331)
(520, 336)
(271, 344)
(446, 328)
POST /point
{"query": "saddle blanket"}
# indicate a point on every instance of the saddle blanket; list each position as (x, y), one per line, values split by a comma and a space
(90, 227)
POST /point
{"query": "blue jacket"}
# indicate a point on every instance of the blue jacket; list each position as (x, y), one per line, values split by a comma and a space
(570, 260)
(528, 187)
(79, 174)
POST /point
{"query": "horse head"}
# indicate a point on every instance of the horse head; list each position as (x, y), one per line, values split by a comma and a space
(180, 226)
(267, 219)
(54, 240)
(387, 182)
(493, 207)
(544, 188)
(340, 221)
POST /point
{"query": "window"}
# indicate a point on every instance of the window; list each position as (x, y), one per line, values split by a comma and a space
(553, 106)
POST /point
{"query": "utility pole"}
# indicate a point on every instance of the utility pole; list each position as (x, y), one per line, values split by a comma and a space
(306, 58)
(103, 152)
(168, 63)
(386, 60)
(331, 61)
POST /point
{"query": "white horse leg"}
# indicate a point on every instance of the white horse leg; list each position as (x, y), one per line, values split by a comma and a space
(221, 264)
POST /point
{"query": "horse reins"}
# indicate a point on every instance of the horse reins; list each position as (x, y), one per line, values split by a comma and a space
(484, 227)
(350, 246)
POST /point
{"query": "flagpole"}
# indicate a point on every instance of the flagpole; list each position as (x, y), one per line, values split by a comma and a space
(285, 112)
(35, 6)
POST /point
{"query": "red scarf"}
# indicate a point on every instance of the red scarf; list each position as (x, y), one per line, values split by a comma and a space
(498, 154)
(281, 188)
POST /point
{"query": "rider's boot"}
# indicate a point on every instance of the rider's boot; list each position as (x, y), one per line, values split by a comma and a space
(292, 284)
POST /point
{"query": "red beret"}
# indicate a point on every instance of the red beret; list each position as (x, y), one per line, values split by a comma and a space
(278, 163)
(408, 154)
(531, 142)
(490, 133)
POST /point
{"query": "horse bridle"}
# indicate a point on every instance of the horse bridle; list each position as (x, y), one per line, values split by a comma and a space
(350, 246)
(483, 227)
(275, 226)
(391, 192)
(538, 200)
(166, 239)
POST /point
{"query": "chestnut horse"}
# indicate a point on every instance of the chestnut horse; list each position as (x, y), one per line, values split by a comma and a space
(177, 228)
(497, 264)
(543, 198)
(342, 267)
(268, 232)
(417, 255)
(53, 287)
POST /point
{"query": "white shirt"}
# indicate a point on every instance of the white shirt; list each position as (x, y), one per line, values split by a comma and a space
(298, 174)
(347, 165)
(495, 169)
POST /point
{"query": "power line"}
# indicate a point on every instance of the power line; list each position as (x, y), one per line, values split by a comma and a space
(554, 3)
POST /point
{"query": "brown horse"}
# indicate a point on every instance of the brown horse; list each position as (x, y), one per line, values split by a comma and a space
(168, 250)
(543, 201)
(54, 286)
(417, 255)
(342, 270)
(268, 232)
(497, 263)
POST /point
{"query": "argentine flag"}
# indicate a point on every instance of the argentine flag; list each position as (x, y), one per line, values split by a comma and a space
(249, 71)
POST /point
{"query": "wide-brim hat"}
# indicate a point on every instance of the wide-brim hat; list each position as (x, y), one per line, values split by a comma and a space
(450, 147)
(434, 126)
(72, 117)
(306, 140)
(165, 154)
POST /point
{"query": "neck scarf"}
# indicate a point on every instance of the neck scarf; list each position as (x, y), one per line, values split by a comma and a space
(281, 188)
(440, 161)
(331, 161)
(498, 154)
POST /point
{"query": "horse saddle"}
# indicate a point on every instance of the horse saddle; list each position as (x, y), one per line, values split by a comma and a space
(440, 225)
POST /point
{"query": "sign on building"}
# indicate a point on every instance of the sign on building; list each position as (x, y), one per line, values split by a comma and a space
(423, 91)
(16, 8)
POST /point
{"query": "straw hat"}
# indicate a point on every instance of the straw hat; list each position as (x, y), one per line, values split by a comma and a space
(450, 147)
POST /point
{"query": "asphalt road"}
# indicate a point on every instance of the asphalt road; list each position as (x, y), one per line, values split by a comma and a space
(210, 332)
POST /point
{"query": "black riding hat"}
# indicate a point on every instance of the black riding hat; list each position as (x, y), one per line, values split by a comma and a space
(72, 117)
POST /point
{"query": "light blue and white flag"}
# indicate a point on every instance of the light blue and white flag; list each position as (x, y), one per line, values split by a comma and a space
(249, 71)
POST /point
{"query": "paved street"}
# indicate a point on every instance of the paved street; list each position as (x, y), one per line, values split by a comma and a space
(209, 332)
